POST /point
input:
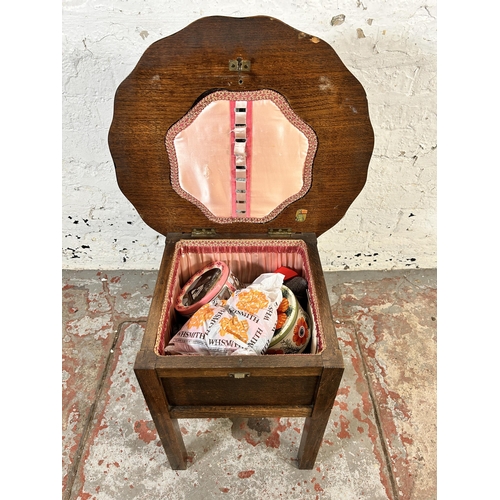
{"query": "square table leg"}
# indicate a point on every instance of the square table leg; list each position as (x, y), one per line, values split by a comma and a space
(167, 427)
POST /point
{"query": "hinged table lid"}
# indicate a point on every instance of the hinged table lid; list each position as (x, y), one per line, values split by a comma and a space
(242, 125)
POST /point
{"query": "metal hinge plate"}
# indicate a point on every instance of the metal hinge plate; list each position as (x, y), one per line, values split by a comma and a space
(205, 232)
(283, 233)
(202, 232)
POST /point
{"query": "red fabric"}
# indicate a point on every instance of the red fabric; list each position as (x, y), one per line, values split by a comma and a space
(287, 272)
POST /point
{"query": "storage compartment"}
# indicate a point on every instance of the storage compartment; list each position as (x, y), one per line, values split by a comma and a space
(247, 260)
(239, 385)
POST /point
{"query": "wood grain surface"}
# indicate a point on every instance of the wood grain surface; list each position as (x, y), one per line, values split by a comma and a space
(175, 71)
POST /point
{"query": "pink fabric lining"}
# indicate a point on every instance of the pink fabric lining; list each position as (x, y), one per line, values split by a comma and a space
(280, 149)
(200, 146)
(247, 259)
(249, 155)
(232, 158)
(279, 157)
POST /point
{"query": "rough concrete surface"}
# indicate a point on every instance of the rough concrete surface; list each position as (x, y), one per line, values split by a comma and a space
(380, 442)
(395, 322)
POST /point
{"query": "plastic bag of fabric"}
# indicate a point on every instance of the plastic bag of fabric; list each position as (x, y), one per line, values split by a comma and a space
(244, 324)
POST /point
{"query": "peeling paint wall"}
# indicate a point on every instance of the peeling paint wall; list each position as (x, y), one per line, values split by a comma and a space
(389, 46)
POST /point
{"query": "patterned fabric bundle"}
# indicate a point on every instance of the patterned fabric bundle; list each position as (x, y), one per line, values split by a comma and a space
(244, 324)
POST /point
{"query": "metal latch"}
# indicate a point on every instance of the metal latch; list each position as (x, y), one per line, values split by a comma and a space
(239, 64)
(282, 233)
(202, 232)
(239, 375)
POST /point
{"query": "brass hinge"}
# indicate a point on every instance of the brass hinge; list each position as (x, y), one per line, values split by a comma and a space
(282, 233)
(202, 232)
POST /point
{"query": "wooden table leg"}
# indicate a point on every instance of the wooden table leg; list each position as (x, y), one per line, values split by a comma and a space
(312, 437)
(167, 428)
(315, 425)
(171, 439)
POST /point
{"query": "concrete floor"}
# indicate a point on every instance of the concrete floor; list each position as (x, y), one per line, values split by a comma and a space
(380, 442)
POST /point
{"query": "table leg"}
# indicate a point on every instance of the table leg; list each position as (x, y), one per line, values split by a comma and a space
(312, 437)
(167, 428)
(315, 425)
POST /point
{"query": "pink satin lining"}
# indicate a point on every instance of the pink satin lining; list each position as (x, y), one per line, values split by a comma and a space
(279, 153)
(241, 156)
(247, 259)
(232, 120)
(208, 156)
(249, 158)
(203, 152)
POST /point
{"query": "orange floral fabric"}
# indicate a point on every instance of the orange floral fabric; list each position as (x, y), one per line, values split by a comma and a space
(300, 332)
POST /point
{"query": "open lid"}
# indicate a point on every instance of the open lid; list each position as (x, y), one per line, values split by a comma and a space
(240, 125)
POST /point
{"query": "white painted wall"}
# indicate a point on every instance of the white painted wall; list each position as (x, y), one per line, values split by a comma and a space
(389, 45)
